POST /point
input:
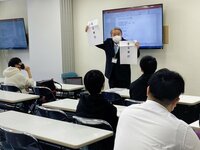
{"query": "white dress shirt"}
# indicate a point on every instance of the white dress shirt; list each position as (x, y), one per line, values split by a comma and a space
(150, 126)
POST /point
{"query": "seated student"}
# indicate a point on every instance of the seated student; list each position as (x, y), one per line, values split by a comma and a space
(151, 125)
(138, 88)
(93, 105)
(14, 76)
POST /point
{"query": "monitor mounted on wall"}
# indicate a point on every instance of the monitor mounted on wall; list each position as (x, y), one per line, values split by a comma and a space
(13, 34)
(141, 23)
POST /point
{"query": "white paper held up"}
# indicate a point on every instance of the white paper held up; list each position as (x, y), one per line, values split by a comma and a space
(128, 52)
(94, 37)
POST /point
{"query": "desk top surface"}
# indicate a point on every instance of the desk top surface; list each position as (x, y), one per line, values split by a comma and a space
(121, 91)
(189, 100)
(69, 87)
(14, 97)
(57, 132)
(184, 99)
(71, 104)
(195, 125)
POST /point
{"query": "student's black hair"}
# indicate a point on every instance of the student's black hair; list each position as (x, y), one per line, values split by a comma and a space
(14, 61)
(94, 81)
(148, 64)
(166, 85)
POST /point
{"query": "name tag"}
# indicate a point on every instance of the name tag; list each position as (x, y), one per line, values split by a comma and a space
(114, 60)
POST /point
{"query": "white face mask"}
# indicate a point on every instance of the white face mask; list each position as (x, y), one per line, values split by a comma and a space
(116, 38)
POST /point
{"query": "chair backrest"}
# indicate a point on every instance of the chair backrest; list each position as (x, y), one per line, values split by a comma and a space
(51, 113)
(47, 83)
(113, 98)
(5, 107)
(10, 88)
(98, 123)
(106, 144)
(131, 101)
(46, 95)
(73, 80)
(12, 140)
(68, 75)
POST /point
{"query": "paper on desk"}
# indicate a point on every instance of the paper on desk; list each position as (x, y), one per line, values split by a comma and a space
(128, 52)
(94, 37)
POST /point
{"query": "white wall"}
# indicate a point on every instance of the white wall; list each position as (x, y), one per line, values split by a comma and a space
(45, 38)
(182, 54)
(13, 9)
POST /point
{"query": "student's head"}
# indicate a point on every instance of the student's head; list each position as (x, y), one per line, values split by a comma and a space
(165, 87)
(116, 34)
(148, 64)
(94, 81)
(16, 62)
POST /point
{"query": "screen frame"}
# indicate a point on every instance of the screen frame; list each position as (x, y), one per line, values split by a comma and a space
(26, 34)
(139, 8)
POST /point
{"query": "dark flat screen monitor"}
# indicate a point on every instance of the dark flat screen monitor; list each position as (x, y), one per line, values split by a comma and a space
(13, 34)
(141, 23)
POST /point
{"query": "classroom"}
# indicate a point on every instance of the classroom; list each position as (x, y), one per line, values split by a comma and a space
(58, 43)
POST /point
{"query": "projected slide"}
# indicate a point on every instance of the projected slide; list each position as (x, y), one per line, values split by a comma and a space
(142, 24)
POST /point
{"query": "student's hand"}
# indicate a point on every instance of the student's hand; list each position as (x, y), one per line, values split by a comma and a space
(86, 28)
(27, 68)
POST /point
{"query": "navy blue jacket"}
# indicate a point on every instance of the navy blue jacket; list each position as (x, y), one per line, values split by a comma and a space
(123, 70)
(138, 88)
(96, 106)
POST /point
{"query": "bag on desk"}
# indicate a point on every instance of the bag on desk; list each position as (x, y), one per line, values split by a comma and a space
(47, 83)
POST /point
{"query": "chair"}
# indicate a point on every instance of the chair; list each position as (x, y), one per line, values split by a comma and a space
(131, 101)
(46, 95)
(113, 98)
(98, 123)
(51, 113)
(10, 88)
(4, 106)
(68, 75)
(13, 140)
(73, 80)
(106, 144)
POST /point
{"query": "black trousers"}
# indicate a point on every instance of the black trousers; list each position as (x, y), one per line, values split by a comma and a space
(119, 79)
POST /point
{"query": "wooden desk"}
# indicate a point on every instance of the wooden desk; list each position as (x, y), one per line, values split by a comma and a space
(69, 87)
(71, 104)
(53, 131)
(14, 97)
(124, 93)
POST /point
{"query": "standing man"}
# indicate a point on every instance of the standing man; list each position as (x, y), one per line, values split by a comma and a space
(119, 75)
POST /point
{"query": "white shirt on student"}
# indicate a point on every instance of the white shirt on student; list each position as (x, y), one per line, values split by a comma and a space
(150, 126)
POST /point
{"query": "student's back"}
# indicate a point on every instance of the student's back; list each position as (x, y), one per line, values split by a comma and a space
(14, 76)
(151, 125)
(148, 65)
(138, 88)
(95, 106)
